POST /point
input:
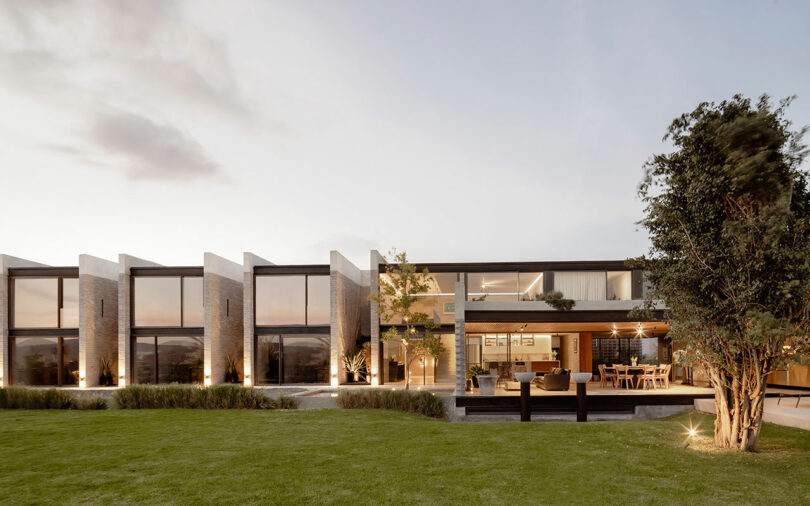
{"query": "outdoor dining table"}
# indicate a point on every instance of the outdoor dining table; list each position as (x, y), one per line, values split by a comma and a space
(635, 370)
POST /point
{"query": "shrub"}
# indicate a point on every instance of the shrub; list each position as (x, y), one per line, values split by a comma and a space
(92, 403)
(196, 397)
(286, 402)
(420, 403)
(31, 398)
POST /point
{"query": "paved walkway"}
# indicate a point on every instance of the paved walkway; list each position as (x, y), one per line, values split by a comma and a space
(783, 414)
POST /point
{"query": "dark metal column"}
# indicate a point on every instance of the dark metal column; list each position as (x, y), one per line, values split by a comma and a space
(582, 403)
(525, 410)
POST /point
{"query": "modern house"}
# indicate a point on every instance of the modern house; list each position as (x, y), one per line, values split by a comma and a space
(270, 324)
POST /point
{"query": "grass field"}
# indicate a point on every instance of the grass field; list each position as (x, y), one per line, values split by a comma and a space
(353, 456)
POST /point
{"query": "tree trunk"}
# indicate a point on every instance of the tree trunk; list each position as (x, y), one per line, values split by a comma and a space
(407, 370)
(739, 404)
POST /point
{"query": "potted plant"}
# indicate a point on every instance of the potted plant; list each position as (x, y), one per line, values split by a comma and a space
(355, 363)
(474, 372)
(105, 377)
(633, 360)
(231, 372)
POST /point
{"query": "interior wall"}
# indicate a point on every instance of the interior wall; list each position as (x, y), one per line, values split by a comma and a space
(570, 351)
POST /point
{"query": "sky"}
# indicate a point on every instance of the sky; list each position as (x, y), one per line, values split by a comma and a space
(454, 130)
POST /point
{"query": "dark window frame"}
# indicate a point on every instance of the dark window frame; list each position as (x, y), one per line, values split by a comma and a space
(281, 336)
(47, 331)
(306, 276)
(60, 364)
(168, 274)
(157, 335)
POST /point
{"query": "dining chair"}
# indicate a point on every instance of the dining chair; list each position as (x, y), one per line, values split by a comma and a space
(605, 375)
(662, 375)
(623, 376)
(648, 377)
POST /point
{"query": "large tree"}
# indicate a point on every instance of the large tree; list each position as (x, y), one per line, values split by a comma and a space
(398, 288)
(728, 213)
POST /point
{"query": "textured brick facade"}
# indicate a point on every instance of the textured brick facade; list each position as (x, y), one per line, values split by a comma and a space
(98, 317)
(348, 303)
(222, 302)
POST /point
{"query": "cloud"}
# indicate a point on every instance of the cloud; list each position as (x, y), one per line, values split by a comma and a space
(149, 150)
(85, 59)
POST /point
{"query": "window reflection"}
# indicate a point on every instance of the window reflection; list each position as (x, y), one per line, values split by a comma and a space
(169, 359)
(268, 359)
(292, 359)
(318, 310)
(156, 302)
(280, 300)
(439, 302)
(70, 303)
(619, 285)
(45, 361)
(36, 302)
(193, 302)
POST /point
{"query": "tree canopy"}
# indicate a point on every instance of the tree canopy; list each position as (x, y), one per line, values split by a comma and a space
(728, 214)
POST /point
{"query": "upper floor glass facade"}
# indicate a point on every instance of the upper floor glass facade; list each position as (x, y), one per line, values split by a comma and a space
(167, 301)
(45, 302)
(292, 300)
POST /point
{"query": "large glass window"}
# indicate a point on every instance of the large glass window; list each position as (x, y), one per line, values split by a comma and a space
(156, 302)
(619, 285)
(168, 359)
(584, 285)
(530, 285)
(47, 361)
(292, 359)
(286, 300)
(167, 301)
(492, 286)
(438, 302)
(193, 302)
(70, 303)
(36, 302)
(318, 310)
(268, 359)
(281, 300)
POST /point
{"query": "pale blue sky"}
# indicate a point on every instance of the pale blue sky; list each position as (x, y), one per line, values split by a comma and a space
(459, 131)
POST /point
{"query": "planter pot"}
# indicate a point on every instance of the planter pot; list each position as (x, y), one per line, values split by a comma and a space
(525, 377)
(356, 377)
(581, 377)
(487, 383)
(475, 381)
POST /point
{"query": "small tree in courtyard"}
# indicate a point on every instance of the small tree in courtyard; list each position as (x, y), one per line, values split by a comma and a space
(728, 213)
(398, 290)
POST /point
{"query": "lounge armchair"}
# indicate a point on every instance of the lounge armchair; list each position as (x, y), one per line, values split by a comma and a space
(558, 379)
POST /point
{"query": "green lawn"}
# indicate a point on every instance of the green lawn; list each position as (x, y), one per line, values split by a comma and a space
(349, 456)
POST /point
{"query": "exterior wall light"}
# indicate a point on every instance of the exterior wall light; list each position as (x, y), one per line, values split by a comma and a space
(334, 380)
(248, 381)
(208, 381)
(82, 383)
(1, 382)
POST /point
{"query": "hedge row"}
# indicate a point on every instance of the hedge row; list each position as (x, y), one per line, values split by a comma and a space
(32, 398)
(195, 397)
(420, 403)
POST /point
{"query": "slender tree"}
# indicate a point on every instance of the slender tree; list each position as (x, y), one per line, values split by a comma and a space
(397, 294)
(728, 213)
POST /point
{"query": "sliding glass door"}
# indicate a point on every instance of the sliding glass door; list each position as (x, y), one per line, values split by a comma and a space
(296, 358)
